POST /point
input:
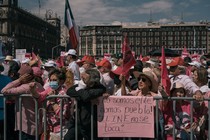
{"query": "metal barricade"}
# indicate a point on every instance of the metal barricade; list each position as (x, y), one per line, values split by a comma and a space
(174, 99)
(36, 110)
(43, 109)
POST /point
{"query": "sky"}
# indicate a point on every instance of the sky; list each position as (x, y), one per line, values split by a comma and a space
(87, 12)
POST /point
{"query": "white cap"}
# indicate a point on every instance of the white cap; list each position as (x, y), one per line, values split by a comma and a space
(71, 52)
(204, 89)
(50, 63)
(27, 60)
(195, 63)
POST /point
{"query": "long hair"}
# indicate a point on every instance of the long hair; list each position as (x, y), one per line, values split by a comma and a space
(94, 77)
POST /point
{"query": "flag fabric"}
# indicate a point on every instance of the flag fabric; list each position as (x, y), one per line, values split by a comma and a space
(70, 24)
(185, 53)
(140, 57)
(128, 59)
(165, 80)
(37, 58)
(60, 61)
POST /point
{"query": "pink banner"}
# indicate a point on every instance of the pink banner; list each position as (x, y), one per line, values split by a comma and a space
(126, 116)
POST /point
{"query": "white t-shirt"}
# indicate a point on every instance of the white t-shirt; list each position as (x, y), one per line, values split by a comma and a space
(75, 70)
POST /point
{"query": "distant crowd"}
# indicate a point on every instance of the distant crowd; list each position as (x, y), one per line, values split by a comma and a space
(88, 79)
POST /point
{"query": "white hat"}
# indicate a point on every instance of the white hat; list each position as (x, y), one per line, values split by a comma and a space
(204, 89)
(50, 63)
(27, 60)
(195, 63)
(71, 52)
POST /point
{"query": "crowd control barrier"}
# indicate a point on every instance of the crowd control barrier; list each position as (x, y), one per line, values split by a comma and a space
(43, 111)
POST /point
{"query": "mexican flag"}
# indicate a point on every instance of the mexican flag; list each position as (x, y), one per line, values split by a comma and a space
(70, 24)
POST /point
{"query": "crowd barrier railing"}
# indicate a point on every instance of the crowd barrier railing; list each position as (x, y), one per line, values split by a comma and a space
(43, 110)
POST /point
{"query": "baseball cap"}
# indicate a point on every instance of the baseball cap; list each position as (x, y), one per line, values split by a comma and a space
(71, 52)
(104, 63)
(195, 63)
(50, 63)
(176, 61)
(88, 59)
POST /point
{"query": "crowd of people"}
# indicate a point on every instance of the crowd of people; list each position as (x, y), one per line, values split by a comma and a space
(88, 79)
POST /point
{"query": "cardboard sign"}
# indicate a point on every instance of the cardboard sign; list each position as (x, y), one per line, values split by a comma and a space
(126, 116)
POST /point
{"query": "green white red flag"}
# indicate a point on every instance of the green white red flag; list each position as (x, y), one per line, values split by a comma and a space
(70, 24)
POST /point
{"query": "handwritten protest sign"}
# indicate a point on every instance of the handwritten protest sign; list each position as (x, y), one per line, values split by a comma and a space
(126, 116)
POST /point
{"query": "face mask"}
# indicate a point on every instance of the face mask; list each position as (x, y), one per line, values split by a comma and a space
(204, 62)
(54, 84)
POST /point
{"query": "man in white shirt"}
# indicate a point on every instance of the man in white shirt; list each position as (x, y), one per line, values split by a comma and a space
(71, 57)
(175, 70)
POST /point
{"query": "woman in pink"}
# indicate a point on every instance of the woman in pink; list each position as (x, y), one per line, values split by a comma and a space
(22, 86)
(56, 87)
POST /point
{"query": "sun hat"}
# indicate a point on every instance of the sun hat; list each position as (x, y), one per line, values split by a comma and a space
(8, 58)
(71, 52)
(151, 77)
(104, 63)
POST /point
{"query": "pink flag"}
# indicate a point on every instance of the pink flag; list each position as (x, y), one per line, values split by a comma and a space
(140, 57)
(37, 58)
(165, 80)
(128, 59)
(70, 24)
(185, 53)
(60, 61)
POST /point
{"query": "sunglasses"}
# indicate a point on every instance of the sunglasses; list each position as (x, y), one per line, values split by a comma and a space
(142, 79)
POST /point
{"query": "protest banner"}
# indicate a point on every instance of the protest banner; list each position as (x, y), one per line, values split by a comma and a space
(126, 116)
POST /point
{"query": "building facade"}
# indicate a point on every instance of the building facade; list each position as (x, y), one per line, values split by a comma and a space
(97, 39)
(20, 29)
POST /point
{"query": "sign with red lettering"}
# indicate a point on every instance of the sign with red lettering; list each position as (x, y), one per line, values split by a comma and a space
(126, 116)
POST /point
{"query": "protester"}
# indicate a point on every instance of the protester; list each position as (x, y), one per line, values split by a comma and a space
(93, 90)
(22, 86)
(87, 62)
(147, 85)
(122, 86)
(181, 117)
(48, 66)
(6, 64)
(38, 75)
(56, 87)
(104, 67)
(176, 75)
(119, 59)
(71, 57)
(4, 81)
(25, 61)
